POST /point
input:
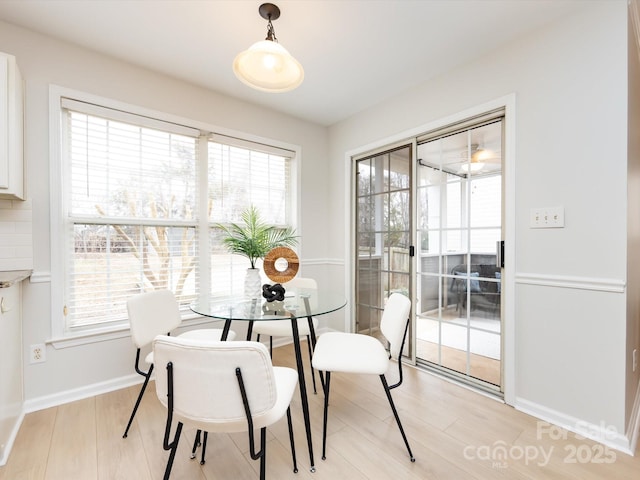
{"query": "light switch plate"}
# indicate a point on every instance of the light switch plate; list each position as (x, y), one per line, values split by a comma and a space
(547, 217)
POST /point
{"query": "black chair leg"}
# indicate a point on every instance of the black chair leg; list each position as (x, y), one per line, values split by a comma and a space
(198, 441)
(263, 457)
(204, 447)
(172, 455)
(293, 446)
(313, 372)
(146, 376)
(327, 380)
(395, 414)
(196, 444)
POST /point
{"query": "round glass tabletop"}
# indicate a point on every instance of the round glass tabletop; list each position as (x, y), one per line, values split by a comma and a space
(295, 304)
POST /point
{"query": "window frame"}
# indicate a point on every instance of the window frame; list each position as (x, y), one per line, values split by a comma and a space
(61, 336)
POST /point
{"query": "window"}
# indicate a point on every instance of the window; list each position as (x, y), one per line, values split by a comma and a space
(139, 198)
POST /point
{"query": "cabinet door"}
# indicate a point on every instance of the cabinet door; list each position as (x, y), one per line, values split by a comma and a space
(11, 129)
(4, 122)
(10, 364)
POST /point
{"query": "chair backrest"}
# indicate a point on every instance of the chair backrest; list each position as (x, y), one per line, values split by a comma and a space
(205, 384)
(304, 285)
(151, 314)
(394, 321)
(301, 282)
(460, 275)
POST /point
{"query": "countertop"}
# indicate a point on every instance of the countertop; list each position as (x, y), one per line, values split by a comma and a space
(11, 277)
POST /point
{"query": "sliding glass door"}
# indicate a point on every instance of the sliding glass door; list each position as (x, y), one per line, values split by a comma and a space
(383, 233)
(459, 232)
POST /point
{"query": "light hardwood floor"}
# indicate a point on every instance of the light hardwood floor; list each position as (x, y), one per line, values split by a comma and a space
(482, 364)
(455, 433)
(480, 367)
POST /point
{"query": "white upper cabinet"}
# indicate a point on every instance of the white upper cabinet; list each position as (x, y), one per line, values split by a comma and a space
(11, 129)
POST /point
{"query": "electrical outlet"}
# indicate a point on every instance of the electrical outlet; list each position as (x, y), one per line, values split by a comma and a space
(635, 359)
(38, 353)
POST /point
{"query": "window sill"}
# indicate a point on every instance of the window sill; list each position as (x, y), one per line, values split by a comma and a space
(87, 337)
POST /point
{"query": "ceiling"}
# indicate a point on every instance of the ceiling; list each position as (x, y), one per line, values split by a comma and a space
(356, 53)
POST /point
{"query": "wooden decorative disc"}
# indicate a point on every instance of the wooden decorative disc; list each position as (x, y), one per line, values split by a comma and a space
(277, 255)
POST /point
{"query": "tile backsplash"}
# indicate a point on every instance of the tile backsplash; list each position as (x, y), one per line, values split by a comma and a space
(16, 235)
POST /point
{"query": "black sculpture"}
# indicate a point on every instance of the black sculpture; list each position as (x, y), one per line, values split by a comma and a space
(273, 292)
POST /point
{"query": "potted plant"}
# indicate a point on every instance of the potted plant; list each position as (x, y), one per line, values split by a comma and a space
(254, 239)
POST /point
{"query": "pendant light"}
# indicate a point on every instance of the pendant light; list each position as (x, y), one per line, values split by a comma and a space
(266, 65)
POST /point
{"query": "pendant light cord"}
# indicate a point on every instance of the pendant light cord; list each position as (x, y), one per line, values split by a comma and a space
(271, 33)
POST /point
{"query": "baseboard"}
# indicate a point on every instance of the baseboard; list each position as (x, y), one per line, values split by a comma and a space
(6, 450)
(81, 393)
(597, 432)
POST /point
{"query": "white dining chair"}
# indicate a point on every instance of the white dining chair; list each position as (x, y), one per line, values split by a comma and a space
(156, 313)
(224, 387)
(363, 354)
(282, 328)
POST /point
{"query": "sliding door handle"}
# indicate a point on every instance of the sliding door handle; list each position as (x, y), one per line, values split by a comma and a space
(500, 253)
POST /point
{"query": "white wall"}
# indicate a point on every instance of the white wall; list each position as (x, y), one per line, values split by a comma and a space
(570, 86)
(44, 61)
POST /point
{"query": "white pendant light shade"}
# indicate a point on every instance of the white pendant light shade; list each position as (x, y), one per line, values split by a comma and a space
(269, 67)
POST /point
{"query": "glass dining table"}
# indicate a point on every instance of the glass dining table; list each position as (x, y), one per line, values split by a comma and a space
(297, 304)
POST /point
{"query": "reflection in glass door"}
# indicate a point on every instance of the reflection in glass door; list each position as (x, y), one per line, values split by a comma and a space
(383, 212)
(459, 216)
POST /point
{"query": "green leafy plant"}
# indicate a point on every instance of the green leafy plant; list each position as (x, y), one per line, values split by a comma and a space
(255, 238)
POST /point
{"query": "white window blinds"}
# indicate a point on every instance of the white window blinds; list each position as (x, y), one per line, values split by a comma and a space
(131, 213)
(240, 176)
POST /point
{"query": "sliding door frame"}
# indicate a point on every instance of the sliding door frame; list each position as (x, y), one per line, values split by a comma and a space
(508, 103)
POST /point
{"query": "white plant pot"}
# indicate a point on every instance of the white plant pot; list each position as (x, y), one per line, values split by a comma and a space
(252, 283)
